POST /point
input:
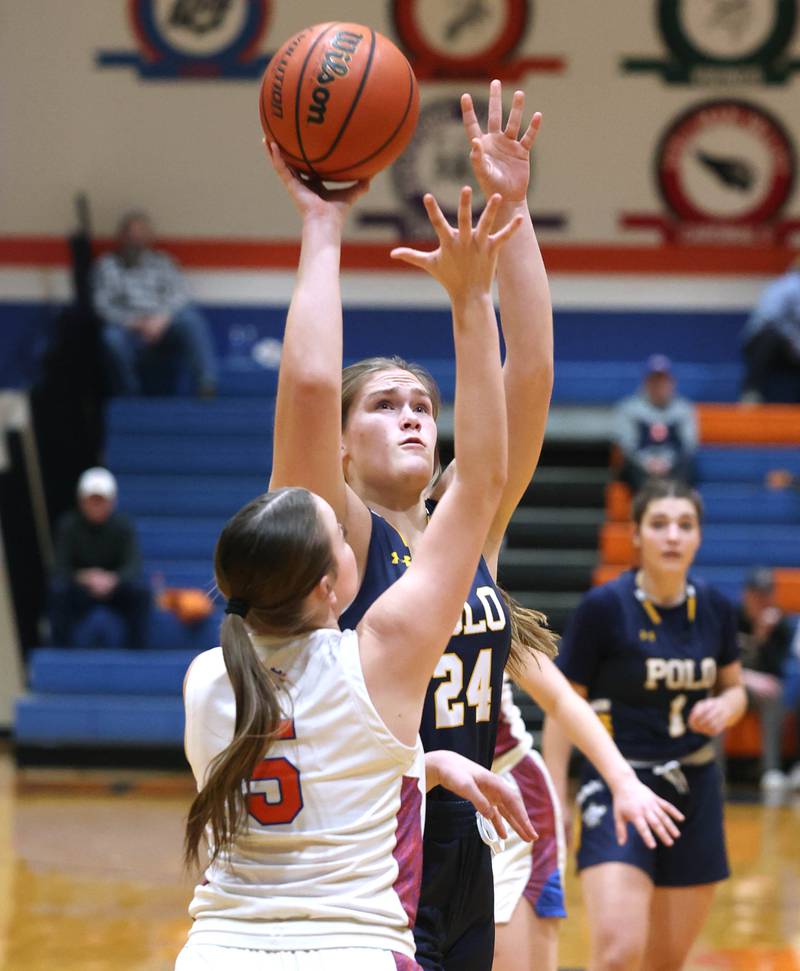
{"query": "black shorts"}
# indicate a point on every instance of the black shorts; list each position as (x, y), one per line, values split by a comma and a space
(698, 856)
(454, 930)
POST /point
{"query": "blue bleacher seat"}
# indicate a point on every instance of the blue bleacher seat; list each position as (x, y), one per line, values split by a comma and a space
(92, 720)
(737, 544)
(188, 416)
(55, 670)
(187, 496)
(239, 454)
(744, 463)
(165, 537)
(103, 697)
(587, 382)
(168, 633)
(738, 502)
(186, 572)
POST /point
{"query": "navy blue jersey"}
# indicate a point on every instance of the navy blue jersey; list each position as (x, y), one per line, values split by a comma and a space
(645, 667)
(463, 700)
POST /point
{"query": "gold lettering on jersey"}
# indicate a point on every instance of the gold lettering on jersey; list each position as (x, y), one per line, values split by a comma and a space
(647, 635)
(680, 674)
(397, 559)
(494, 617)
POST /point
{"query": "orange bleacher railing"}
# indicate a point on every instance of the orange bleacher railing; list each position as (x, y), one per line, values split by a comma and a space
(749, 424)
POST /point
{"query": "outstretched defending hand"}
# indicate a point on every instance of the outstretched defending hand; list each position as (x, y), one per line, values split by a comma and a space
(466, 258)
(310, 196)
(635, 803)
(501, 160)
(492, 796)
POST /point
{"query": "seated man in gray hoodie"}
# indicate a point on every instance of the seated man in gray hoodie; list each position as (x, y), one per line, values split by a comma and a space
(656, 429)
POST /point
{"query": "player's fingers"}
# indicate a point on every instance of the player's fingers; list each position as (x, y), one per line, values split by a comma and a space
(411, 256)
(513, 809)
(531, 131)
(669, 825)
(644, 831)
(475, 795)
(499, 823)
(620, 828)
(508, 230)
(658, 826)
(465, 212)
(515, 115)
(495, 119)
(476, 154)
(276, 158)
(469, 118)
(436, 217)
(488, 216)
(671, 810)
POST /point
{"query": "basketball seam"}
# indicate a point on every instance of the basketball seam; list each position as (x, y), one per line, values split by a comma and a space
(399, 125)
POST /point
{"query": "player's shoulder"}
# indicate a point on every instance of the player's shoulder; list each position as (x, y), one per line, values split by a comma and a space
(708, 594)
(607, 596)
(600, 609)
(206, 673)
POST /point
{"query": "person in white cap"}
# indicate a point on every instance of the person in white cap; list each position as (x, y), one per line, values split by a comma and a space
(97, 562)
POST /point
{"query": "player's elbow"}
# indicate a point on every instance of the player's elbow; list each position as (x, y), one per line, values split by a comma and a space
(491, 478)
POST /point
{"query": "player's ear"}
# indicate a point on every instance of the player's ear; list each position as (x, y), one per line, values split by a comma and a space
(327, 588)
(636, 537)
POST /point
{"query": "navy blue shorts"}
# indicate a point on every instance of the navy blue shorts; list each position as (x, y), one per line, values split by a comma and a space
(454, 930)
(698, 856)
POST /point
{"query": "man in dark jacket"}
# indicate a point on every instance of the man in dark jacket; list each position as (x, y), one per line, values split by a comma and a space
(97, 563)
(765, 637)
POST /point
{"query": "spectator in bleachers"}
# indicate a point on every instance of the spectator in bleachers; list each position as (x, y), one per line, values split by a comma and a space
(97, 564)
(771, 342)
(780, 479)
(765, 637)
(142, 298)
(656, 429)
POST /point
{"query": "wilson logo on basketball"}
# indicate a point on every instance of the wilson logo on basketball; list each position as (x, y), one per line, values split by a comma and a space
(335, 64)
(340, 100)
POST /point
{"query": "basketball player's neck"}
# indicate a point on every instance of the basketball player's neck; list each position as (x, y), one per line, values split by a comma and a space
(408, 520)
(663, 589)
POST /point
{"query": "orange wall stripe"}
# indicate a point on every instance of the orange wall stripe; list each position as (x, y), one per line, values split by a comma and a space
(210, 253)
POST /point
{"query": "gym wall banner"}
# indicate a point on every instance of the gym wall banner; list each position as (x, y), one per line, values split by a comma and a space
(194, 39)
(723, 42)
(725, 170)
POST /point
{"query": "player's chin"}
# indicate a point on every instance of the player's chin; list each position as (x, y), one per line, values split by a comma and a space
(415, 464)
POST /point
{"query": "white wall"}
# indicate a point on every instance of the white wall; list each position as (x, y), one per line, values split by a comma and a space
(190, 151)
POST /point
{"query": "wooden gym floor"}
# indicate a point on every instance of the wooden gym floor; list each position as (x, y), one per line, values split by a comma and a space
(90, 878)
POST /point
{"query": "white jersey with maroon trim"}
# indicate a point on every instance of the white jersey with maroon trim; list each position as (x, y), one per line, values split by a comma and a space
(331, 853)
(514, 740)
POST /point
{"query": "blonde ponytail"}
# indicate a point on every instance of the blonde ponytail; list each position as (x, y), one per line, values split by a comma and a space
(529, 634)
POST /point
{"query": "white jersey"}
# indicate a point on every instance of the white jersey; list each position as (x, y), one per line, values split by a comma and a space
(331, 855)
(513, 740)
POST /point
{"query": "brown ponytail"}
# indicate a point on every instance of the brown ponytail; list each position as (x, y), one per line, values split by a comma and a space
(530, 634)
(270, 556)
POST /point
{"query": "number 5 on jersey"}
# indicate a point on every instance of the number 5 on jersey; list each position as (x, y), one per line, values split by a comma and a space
(275, 795)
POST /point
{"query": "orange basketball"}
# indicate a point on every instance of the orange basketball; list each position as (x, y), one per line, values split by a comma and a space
(340, 100)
